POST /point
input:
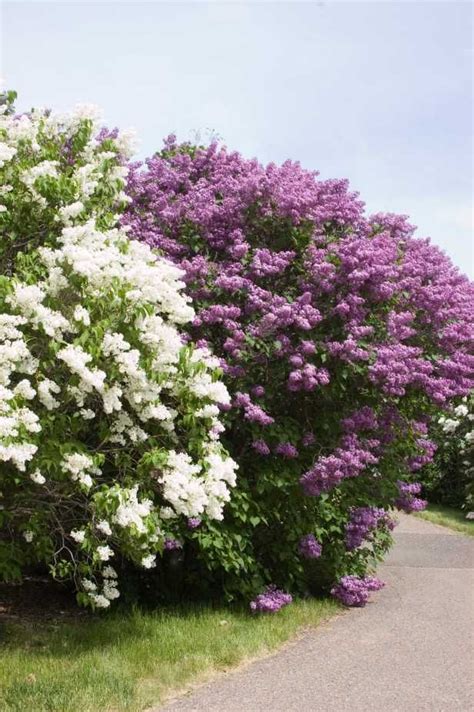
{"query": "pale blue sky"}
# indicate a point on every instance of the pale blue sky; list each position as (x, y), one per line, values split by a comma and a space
(379, 92)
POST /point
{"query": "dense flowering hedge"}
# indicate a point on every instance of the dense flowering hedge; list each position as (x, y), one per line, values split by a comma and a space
(109, 422)
(340, 336)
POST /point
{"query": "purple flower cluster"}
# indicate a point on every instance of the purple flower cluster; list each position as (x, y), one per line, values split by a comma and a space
(363, 522)
(172, 544)
(252, 411)
(270, 601)
(309, 547)
(427, 449)
(234, 204)
(261, 447)
(362, 419)
(286, 450)
(348, 460)
(193, 522)
(251, 284)
(354, 590)
(407, 499)
(266, 262)
(306, 378)
(308, 439)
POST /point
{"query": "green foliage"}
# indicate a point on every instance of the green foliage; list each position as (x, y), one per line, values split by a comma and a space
(109, 429)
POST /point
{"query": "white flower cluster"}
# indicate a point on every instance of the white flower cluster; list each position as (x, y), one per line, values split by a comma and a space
(81, 468)
(92, 363)
(6, 153)
(109, 588)
(130, 512)
(45, 389)
(192, 488)
(460, 429)
(458, 423)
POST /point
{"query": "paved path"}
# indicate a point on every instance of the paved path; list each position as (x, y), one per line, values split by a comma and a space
(411, 650)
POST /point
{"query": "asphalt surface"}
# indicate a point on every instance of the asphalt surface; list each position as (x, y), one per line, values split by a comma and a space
(410, 650)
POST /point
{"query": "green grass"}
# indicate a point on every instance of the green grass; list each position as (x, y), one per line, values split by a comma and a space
(448, 517)
(129, 662)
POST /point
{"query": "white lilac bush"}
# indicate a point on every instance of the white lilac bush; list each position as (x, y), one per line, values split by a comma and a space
(109, 420)
(452, 480)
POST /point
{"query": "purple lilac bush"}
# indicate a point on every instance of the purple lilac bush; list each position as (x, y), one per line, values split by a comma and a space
(340, 335)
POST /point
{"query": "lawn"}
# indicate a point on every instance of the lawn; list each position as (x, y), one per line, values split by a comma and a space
(132, 661)
(448, 517)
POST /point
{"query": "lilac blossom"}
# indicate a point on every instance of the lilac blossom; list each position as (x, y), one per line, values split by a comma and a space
(355, 590)
(309, 547)
(363, 523)
(193, 522)
(427, 449)
(407, 499)
(286, 450)
(270, 601)
(348, 460)
(308, 439)
(261, 447)
(172, 544)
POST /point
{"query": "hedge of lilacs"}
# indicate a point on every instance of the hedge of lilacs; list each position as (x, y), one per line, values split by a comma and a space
(109, 421)
(340, 336)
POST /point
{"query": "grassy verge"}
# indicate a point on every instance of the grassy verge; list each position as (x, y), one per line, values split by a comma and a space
(129, 662)
(448, 517)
